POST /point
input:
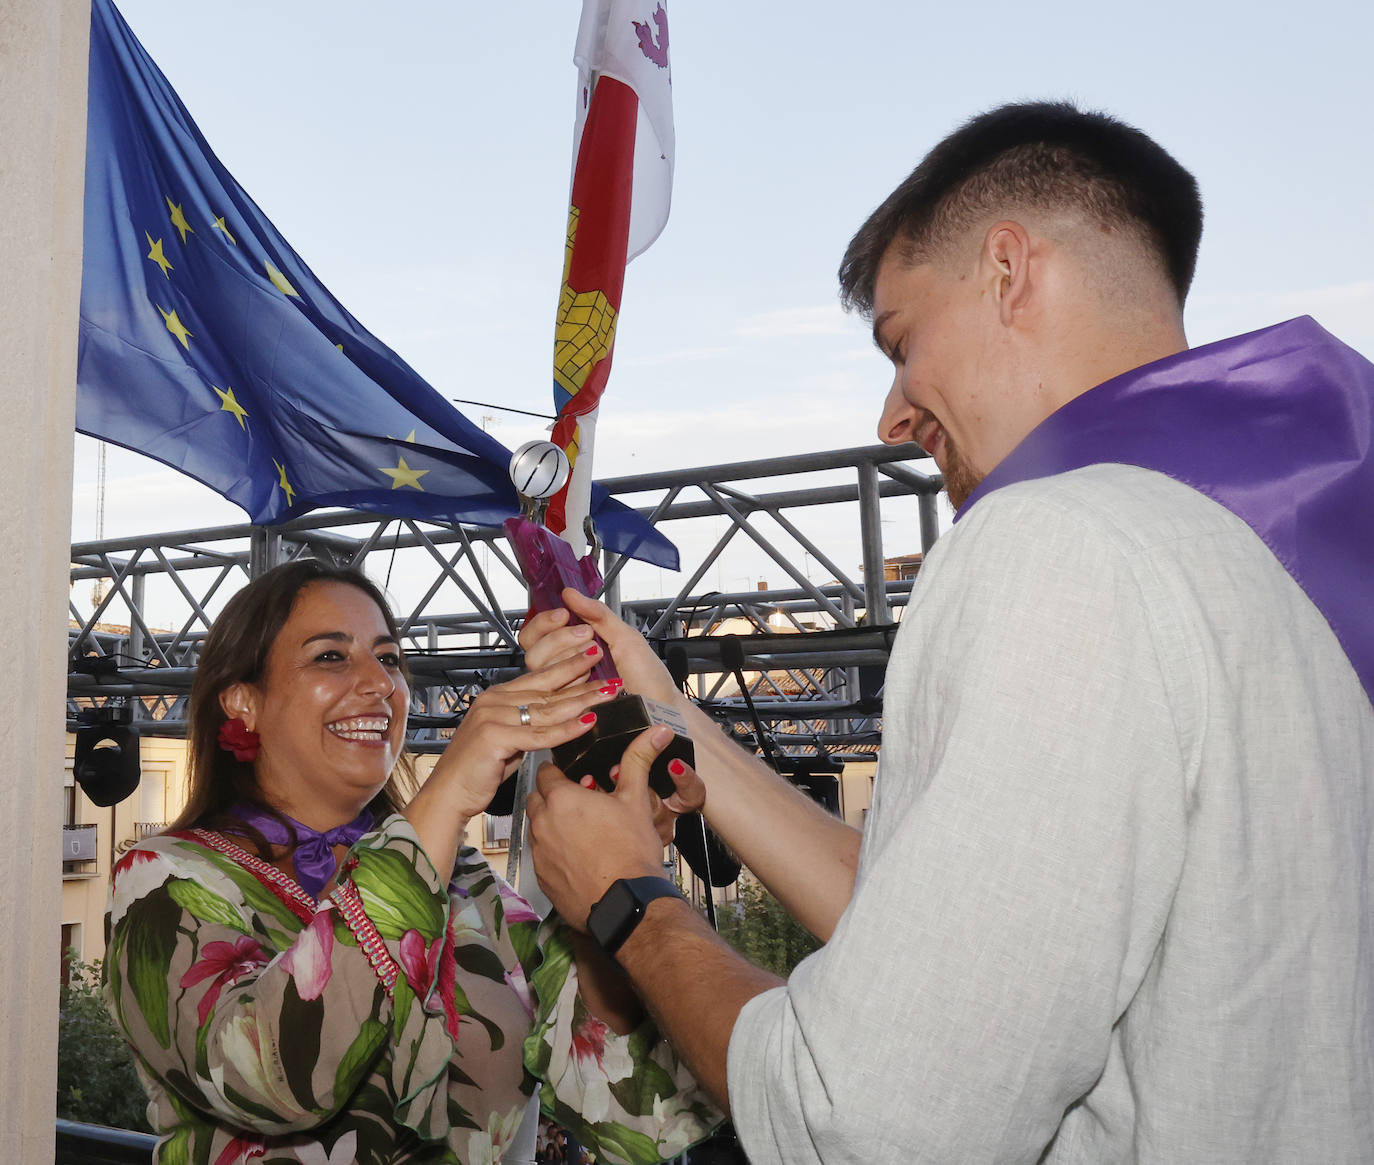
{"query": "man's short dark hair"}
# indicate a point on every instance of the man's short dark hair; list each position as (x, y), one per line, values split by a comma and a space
(1037, 154)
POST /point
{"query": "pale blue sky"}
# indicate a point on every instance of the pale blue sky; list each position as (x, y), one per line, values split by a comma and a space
(417, 156)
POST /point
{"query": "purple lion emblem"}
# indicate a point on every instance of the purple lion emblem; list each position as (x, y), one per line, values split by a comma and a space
(654, 47)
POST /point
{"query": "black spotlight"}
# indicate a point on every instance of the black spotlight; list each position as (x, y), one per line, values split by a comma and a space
(106, 764)
(710, 859)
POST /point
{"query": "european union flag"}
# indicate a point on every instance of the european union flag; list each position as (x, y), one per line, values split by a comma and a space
(209, 345)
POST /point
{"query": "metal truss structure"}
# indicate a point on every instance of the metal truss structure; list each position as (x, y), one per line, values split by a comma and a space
(808, 657)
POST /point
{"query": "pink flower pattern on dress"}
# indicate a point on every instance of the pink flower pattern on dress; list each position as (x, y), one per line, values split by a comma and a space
(435, 964)
(308, 960)
(589, 1040)
(241, 1149)
(447, 984)
(417, 960)
(515, 909)
(133, 858)
(228, 963)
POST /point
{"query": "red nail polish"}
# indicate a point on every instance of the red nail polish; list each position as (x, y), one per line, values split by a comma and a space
(610, 689)
(587, 718)
(592, 650)
(676, 767)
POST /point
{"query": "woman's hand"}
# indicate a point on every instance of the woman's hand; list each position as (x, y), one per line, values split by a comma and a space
(689, 798)
(547, 637)
(538, 710)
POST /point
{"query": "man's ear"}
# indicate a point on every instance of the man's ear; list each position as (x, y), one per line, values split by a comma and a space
(241, 700)
(1007, 261)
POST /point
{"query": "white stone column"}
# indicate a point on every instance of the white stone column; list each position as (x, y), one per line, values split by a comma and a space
(43, 48)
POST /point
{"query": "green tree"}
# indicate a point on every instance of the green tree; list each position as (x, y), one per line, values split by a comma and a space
(96, 1081)
(763, 932)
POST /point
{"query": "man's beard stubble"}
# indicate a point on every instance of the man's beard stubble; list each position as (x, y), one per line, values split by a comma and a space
(959, 477)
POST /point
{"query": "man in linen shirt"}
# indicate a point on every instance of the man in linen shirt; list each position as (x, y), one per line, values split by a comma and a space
(1113, 900)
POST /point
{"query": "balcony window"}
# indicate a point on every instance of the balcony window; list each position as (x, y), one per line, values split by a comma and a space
(79, 844)
(495, 831)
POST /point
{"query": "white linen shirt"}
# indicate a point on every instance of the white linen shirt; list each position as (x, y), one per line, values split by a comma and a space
(1114, 900)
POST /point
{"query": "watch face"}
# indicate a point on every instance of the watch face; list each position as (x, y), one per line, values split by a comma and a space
(613, 918)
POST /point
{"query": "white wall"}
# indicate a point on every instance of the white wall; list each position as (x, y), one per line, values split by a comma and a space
(43, 46)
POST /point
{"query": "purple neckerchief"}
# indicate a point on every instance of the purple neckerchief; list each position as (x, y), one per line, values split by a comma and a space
(1276, 425)
(313, 857)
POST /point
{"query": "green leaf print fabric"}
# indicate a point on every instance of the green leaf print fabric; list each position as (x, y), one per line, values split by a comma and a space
(396, 1020)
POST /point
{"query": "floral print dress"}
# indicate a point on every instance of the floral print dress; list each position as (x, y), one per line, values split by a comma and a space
(395, 1020)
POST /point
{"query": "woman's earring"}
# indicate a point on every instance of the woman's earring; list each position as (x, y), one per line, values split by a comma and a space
(235, 737)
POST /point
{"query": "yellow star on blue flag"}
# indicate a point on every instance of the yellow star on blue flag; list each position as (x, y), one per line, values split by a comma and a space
(230, 404)
(403, 475)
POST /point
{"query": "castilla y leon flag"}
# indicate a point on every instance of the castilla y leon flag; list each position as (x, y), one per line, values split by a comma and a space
(621, 188)
(207, 343)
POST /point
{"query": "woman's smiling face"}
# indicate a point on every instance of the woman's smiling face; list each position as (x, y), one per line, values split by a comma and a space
(330, 706)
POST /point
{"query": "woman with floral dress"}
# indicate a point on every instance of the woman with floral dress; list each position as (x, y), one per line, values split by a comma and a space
(308, 965)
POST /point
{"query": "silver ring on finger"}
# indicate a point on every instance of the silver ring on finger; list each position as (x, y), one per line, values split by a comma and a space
(525, 718)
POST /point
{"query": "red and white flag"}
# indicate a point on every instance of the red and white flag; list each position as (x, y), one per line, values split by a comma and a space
(621, 189)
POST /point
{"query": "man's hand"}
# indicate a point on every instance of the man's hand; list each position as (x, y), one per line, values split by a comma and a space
(688, 797)
(582, 840)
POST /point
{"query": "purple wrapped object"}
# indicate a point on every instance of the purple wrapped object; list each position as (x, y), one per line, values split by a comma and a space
(549, 565)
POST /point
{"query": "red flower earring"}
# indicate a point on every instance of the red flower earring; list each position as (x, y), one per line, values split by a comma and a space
(235, 737)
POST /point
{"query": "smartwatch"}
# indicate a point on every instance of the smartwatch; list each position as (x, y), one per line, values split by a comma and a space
(613, 919)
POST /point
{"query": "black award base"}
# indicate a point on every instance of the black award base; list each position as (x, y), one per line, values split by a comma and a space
(618, 722)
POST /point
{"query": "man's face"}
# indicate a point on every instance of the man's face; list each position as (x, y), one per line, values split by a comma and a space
(936, 326)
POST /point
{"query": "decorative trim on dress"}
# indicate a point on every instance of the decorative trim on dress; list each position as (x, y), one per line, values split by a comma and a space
(283, 886)
(345, 897)
(350, 904)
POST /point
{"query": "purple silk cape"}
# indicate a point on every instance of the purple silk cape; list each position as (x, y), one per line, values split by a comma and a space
(1276, 425)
